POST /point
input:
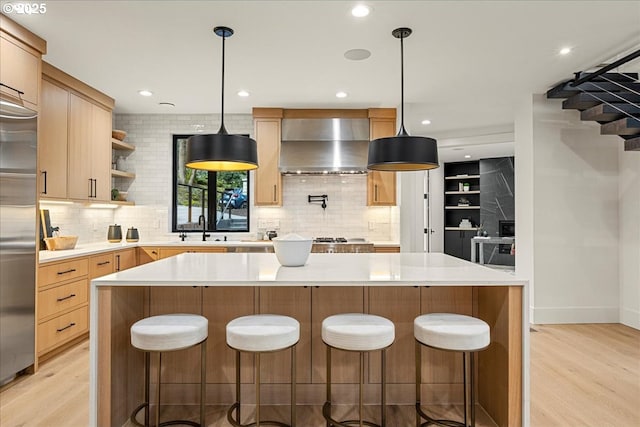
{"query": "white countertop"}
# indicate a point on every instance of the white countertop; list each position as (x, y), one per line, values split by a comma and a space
(97, 248)
(263, 269)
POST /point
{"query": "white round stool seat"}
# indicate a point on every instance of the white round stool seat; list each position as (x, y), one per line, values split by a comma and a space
(262, 332)
(169, 332)
(358, 332)
(449, 331)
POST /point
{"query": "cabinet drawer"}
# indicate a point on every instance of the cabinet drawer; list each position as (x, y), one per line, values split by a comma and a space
(61, 298)
(60, 272)
(101, 265)
(62, 329)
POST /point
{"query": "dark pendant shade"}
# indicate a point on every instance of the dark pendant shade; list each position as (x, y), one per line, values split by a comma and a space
(221, 152)
(402, 152)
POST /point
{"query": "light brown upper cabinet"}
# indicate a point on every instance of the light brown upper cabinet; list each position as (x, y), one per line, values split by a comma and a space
(20, 63)
(381, 186)
(268, 181)
(52, 143)
(75, 139)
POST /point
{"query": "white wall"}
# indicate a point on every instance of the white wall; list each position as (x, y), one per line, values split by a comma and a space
(571, 175)
(629, 246)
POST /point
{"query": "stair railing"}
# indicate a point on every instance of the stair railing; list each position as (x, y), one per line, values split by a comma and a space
(578, 81)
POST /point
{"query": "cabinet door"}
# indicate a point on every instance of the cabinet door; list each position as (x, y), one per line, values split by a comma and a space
(101, 153)
(220, 305)
(52, 141)
(466, 244)
(381, 186)
(328, 301)
(453, 243)
(401, 305)
(148, 254)
(101, 265)
(80, 133)
(294, 302)
(125, 259)
(268, 181)
(19, 69)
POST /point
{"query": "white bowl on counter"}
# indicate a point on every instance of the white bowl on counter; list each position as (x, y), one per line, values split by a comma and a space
(292, 250)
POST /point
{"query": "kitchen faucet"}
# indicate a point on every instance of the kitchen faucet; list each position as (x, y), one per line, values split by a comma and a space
(203, 221)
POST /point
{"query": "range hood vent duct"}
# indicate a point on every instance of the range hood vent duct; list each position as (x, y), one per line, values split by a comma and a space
(324, 146)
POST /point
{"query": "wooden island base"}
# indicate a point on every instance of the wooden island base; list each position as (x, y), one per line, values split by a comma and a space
(119, 367)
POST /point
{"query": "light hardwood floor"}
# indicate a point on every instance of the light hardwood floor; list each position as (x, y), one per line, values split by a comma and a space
(581, 376)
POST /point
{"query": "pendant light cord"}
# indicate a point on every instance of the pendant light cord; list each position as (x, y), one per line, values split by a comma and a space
(402, 130)
(222, 128)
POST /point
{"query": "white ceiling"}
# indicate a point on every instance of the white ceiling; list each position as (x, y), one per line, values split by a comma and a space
(467, 63)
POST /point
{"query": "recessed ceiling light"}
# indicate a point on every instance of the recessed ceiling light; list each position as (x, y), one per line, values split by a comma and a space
(426, 122)
(243, 93)
(467, 156)
(360, 11)
(357, 54)
(565, 51)
(145, 92)
(167, 104)
(341, 95)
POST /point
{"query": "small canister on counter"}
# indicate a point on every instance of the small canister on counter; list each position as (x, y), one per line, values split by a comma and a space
(133, 235)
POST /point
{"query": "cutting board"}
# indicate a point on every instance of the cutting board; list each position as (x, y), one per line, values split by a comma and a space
(45, 227)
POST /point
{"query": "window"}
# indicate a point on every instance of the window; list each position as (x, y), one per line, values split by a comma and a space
(220, 198)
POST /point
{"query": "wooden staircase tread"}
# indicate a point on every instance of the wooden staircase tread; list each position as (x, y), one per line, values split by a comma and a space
(632, 144)
(609, 112)
(624, 126)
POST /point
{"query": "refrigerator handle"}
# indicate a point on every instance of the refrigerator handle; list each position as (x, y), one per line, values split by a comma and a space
(44, 174)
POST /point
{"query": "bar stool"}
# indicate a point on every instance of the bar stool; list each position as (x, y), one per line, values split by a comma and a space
(450, 332)
(361, 333)
(169, 332)
(258, 334)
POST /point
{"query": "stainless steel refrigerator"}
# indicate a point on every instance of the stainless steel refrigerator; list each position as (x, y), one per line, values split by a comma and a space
(18, 154)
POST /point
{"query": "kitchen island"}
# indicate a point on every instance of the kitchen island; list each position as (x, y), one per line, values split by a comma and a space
(223, 286)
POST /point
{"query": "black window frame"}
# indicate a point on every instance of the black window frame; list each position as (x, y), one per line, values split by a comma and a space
(211, 201)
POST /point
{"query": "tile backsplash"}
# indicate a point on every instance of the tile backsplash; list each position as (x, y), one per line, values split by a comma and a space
(346, 213)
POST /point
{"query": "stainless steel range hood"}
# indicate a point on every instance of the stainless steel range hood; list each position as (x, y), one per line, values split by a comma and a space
(318, 146)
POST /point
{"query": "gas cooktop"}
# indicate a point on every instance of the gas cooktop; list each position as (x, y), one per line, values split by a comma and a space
(329, 240)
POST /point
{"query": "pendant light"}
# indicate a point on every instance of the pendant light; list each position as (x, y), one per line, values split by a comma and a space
(221, 151)
(402, 152)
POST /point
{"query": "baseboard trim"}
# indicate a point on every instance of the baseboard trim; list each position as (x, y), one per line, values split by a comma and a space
(630, 317)
(550, 315)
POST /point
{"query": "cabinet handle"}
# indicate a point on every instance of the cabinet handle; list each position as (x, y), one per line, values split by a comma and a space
(95, 188)
(67, 297)
(375, 192)
(66, 271)
(104, 263)
(275, 191)
(66, 327)
(117, 262)
(44, 174)
(154, 252)
(90, 187)
(12, 88)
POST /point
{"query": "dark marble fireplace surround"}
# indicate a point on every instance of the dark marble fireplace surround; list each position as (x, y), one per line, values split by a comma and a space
(497, 202)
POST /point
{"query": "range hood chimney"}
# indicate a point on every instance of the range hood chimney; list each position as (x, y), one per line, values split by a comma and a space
(320, 146)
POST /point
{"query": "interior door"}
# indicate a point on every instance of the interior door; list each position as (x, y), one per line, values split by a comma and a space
(433, 211)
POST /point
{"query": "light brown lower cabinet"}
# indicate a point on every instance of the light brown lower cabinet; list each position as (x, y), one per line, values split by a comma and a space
(63, 296)
(147, 254)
